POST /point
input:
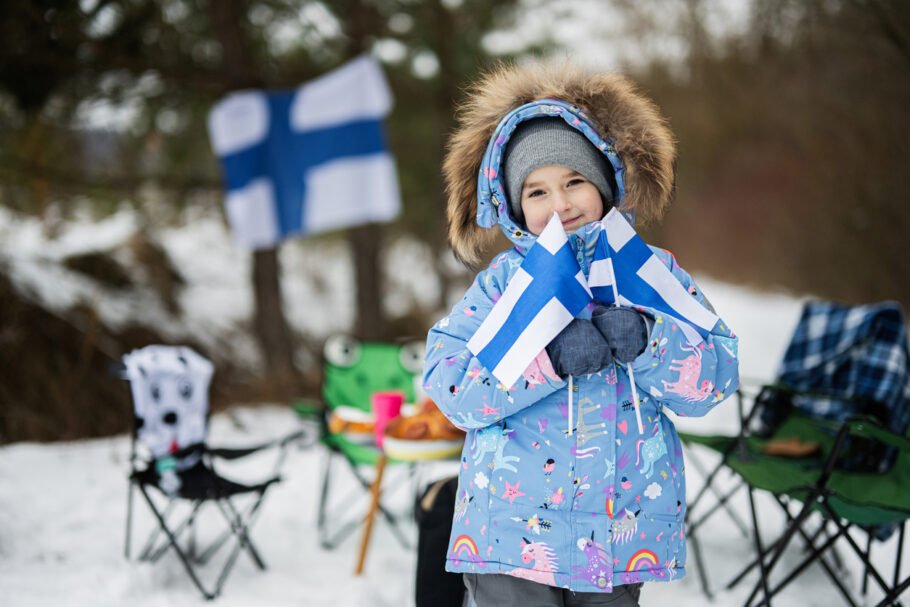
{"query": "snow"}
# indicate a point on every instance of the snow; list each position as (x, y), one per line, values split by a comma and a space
(216, 299)
(63, 505)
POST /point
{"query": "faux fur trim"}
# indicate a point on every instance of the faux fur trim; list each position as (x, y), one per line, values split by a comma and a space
(641, 134)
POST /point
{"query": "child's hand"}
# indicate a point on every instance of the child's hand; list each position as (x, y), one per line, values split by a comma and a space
(580, 349)
(624, 329)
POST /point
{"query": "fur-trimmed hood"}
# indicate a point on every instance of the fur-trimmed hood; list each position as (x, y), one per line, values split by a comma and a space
(626, 126)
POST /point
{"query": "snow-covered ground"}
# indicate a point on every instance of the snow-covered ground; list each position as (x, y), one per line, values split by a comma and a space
(63, 506)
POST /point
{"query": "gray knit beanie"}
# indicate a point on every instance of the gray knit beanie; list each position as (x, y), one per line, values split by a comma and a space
(548, 141)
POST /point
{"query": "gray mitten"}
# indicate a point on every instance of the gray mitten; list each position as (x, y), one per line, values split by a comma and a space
(580, 349)
(624, 329)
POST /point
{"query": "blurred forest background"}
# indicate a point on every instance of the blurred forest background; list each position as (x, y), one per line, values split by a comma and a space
(791, 115)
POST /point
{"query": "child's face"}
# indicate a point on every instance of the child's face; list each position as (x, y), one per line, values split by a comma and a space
(560, 189)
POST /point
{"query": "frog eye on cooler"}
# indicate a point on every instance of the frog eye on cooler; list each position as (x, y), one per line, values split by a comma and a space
(411, 356)
(342, 350)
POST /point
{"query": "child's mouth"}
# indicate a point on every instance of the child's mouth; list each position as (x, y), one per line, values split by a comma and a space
(568, 222)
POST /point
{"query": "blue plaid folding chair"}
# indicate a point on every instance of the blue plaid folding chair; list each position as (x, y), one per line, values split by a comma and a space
(843, 364)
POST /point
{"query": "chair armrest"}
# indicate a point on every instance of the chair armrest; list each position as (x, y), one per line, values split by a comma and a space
(230, 453)
(310, 409)
(871, 428)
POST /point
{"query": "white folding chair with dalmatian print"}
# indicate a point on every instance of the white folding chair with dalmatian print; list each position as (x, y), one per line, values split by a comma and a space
(172, 467)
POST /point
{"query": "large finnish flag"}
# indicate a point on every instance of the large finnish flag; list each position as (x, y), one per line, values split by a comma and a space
(542, 298)
(307, 160)
(626, 269)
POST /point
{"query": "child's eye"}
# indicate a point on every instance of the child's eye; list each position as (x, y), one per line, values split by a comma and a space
(535, 193)
(575, 181)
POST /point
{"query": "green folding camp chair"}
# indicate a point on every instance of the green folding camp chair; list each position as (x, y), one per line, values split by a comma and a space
(353, 371)
(697, 515)
(841, 362)
(843, 500)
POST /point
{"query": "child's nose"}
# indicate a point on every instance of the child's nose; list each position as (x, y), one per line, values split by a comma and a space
(561, 202)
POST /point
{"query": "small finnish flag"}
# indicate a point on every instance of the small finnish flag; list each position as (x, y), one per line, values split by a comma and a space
(307, 160)
(542, 298)
(626, 270)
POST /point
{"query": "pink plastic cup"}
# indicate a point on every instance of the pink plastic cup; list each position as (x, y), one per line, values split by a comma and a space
(386, 406)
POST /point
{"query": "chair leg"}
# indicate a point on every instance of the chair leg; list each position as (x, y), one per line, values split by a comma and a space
(699, 561)
(241, 541)
(173, 542)
(152, 541)
(240, 525)
(331, 540)
(129, 518)
(890, 599)
(763, 569)
(866, 568)
(186, 523)
(323, 498)
(722, 503)
(390, 518)
(784, 540)
(856, 549)
(709, 478)
(810, 540)
(816, 554)
(250, 516)
(722, 499)
(900, 552)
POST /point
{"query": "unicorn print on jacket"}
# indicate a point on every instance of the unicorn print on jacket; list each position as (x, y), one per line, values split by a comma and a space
(689, 370)
(493, 439)
(544, 560)
(647, 452)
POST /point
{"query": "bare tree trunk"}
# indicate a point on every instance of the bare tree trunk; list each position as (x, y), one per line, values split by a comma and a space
(34, 150)
(366, 245)
(270, 324)
(446, 90)
(366, 241)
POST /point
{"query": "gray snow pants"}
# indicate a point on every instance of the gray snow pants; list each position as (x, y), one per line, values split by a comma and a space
(499, 590)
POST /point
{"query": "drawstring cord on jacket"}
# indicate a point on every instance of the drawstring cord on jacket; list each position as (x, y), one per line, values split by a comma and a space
(571, 389)
(641, 428)
(631, 373)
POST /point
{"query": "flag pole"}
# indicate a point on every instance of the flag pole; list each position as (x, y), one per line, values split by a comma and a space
(635, 399)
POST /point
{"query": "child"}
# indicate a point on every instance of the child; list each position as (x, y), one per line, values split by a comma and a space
(548, 514)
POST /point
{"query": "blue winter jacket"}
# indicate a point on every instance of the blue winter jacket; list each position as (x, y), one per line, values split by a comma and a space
(591, 506)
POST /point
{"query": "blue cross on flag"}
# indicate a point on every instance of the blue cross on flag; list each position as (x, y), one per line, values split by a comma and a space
(626, 270)
(307, 160)
(542, 298)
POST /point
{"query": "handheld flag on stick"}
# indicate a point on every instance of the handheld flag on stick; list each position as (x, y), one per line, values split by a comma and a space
(542, 298)
(307, 160)
(549, 290)
(626, 271)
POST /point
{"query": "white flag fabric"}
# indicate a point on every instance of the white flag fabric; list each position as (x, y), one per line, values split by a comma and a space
(541, 299)
(307, 160)
(624, 264)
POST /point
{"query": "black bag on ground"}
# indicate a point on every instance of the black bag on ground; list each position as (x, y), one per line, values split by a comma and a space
(434, 511)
